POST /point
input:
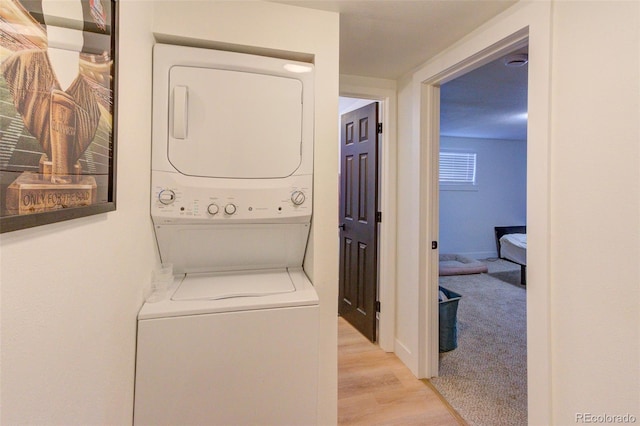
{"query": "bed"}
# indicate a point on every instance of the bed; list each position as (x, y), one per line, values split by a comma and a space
(511, 242)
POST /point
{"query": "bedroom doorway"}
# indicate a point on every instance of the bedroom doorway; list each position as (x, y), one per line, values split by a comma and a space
(528, 25)
(482, 178)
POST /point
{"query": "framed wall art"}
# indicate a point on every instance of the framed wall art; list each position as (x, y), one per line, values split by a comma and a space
(57, 110)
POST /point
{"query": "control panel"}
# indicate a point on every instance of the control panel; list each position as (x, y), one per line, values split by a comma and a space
(173, 202)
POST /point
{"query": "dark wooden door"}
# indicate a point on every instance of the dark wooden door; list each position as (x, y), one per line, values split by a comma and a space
(358, 210)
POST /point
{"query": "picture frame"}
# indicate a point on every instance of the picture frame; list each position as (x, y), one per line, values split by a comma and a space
(58, 109)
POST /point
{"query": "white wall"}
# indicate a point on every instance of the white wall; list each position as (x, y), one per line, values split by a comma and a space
(71, 291)
(595, 212)
(468, 217)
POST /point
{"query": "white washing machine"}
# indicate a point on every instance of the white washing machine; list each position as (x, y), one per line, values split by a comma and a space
(235, 339)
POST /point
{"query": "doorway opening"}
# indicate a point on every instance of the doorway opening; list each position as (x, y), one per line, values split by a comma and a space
(359, 216)
(482, 189)
(529, 25)
(353, 96)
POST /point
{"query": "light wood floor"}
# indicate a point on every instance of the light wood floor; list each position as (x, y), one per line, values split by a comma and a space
(376, 388)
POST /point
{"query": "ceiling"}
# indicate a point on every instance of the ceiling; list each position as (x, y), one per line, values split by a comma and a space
(489, 102)
(389, 38)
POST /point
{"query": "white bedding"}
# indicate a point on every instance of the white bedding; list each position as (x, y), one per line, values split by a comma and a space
(514, 248)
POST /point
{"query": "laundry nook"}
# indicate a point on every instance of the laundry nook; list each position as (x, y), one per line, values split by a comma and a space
(234, 339)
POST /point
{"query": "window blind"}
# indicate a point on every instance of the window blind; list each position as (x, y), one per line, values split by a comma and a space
(458, 168)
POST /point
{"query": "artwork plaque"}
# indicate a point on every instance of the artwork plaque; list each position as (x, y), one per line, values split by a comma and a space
(57, 110)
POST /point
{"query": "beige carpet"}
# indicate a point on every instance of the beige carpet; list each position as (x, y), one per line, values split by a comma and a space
(485, 378)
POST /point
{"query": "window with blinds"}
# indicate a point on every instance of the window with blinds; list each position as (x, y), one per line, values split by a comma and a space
(458, 169)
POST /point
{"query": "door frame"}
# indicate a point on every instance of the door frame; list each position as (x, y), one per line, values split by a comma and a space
(430, 193)
(525, 23)
(384, 92)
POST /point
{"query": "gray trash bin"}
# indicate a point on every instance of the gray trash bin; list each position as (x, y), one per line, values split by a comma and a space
(448, 317)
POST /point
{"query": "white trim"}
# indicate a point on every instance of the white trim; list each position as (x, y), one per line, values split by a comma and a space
(385, 92)
(523, 22)
(428, 311)
(401, 351)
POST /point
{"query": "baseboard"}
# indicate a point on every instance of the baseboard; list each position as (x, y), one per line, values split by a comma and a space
(407, 358)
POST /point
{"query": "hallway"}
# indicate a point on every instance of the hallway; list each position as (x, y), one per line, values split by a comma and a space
(376, 388)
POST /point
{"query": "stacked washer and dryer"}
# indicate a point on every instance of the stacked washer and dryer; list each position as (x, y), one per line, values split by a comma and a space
(235, 339)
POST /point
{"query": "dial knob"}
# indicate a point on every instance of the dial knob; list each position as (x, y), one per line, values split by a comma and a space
(298, 197)
(213, 209)
(230, 209)
(166, 196)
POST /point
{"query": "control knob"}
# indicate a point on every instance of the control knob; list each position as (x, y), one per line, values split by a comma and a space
(166, 196)
(213, 209)
(298, 197)
(230, 209)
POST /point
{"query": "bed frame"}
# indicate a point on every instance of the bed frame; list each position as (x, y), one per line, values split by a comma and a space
(503, 230)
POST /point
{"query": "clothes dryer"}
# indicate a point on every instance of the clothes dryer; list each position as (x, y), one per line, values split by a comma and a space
(235, 338)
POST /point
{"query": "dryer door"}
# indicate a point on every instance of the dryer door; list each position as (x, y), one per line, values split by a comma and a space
(234, 124)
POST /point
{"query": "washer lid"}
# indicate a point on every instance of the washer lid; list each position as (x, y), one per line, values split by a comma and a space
(225, 285)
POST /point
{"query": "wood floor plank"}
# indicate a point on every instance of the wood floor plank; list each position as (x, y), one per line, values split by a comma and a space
(376, 388)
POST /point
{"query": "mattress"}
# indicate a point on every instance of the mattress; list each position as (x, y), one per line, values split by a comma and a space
(514, 247)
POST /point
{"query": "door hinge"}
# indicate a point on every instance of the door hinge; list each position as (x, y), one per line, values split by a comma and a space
(434, 245)
(378, 217)
(377, 306)
(379, 127)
